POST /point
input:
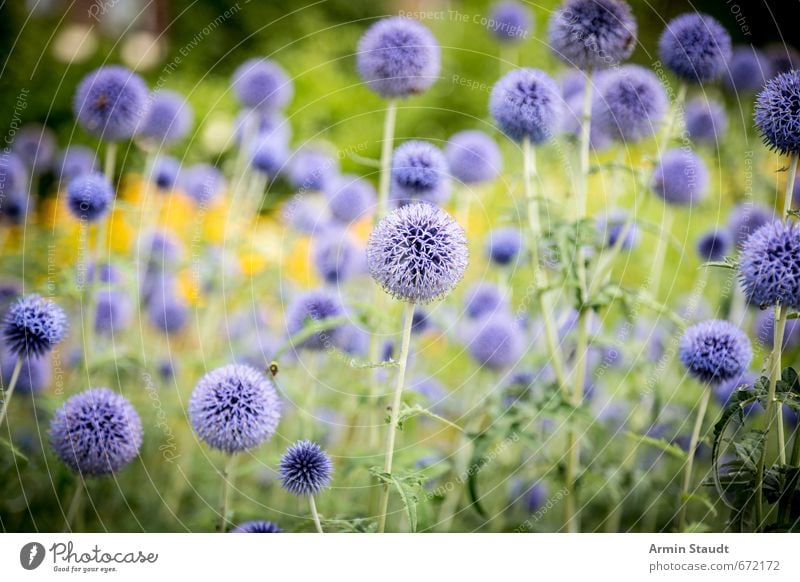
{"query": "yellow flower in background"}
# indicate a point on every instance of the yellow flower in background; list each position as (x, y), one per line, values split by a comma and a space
(121, 233)
(216, 227)
(362, 229)
(297, 264)
(188, 285)
(252, 263)
(132, 189)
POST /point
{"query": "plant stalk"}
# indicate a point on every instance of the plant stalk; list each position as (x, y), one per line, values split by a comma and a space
(312, 504)
(687, 471)
(227, 484)
(8, 392)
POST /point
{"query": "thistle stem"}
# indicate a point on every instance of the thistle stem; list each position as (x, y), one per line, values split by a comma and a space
(408, 318)
(661, 250)
(687, 470)
(109, 165)
(75, 504)
(788, 196)
(312, 504)
(386, 158)
(8, 392)
(227, 484)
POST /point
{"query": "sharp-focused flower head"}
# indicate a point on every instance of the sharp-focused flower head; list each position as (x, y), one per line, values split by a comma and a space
(269, 156)
(417, 253)
(89, 196)
(203, 183)
(96, 432)
(257, 526)
(34, 376)
(473, 157)
(485, 299)
(714, 245)
(314, 307)
(497, 341)
(593, 34)
(715, 350)
(748, 70)
(632, 103)
(680, 178)
(73, 162)
(420, 172)
(747, 218)
(696, 47)
(234, 408)
(765, 331)
(305, 469)
(510, 21)
(13, 174)
(611, 226)
(398, 57)
(503, 245)
(36, 147)
(110, 102)
(113, 312)
(526, 103)
(164, 172)
(33, 326)
(262, 84)
(336, 256)
(350, 198)
(167, 119)
(777, 113)
(311, 168)
(706, 121)
(769, 265)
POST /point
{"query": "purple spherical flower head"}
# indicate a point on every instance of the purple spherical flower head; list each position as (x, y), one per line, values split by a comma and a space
(13, 174)
(161, 247)
(526, 103)
(765, 331)
(419, 171)
(706, 120)
(73, 162)
(473, 157)
(305, 469)
(314, 307)
(89, 196)
(167, 119)
(15, 206)
(34, 376)
(269, 156)
(308, 213)
(168, 313)
(611, 225)
(110, 102)
(777, 113)
(234, 408)
(715, 350)
(747, 218)
(164, 172)
(113, 312)
(202, 182)
(262, 84)
(497, 342)
(33, 326)
(257, 526)
(600, 136)
(593, 34)
(484, 299)
(105, 273)
(696, 47)
(349, 198)
(335, 256)
(503, 245)
(311, 168)
(714, 245)
(680, 178)
(417, 253)
(398, 57)
(573, 82)
(632, 103)
(420, 321)
(748, 70)
(36, 146)
(96, 432)
(510, 21)
(769, 265)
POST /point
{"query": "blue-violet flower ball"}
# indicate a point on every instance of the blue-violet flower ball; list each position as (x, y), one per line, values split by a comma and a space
(680, 178)
(269, 156)
(13, 174)
(769, 265)
(419, 171)
(311, 168)
(510, 21)
(89, 196)
(33, 326)
(503, 245)
(350, 198)
(611, 227)
(110, 103)
(167, 313)
(305, 469)
(164, 172)
(526, 103)
(633, 103)
(714, 351)
(34, 376)
(73, 162)
(113, 312)
(473, 157)
(706, 121)
(484, 299)
(498, 341)
(696, 47)
(314, 307)
(777, 113)
(203, 183)
(257, 526)
(167, 119)
(748, 70)
(335, 256)
(714, 245)
(36, 146)
(262, 84)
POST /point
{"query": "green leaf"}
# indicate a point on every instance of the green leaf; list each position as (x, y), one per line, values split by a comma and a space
(661, 444)
(15, 451)
(409, 412)
(408, 486)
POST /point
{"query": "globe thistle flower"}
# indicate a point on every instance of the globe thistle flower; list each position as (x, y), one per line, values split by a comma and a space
(314, 307)
(110, 102)
(510, 21)
(96, 432)
(419, 171)
(164, 172)
(262, 84)
(167, 119)
(269, 156)
(258, 526)
(113, 312)
(13, 174)
(36, 147)
(765, 328)
(15, 206)
(420, 321)
(311, 168)
(526, 103)
(696, 47)
(161, 247)
(611, 226)
(234, 408)
(497, 342)
(633, 103)
(417, 253)
(89, 196)
(748, 70)
(33, 326)
(706, 121)
(680, 178)
(265, 125)
(714, 245)
(73, 162)
(473, 157)
(335, 256)
(307, 213)
(203, 183)
(168, 313)
(503, 245)
(398, 57)
(714, 351)
(166, 369)
(484, 299)
(34, 376)
(747, 218)
(350, 198)
(769, 265)
(600, 136)
(105, 273)
(305, 469)
(777, 114)
(593, 34)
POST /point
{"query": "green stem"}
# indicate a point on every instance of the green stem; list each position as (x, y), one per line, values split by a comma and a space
(314, 513)
(227, 484)
(661, 250)
(7, 393)
(386, 159)
(687, 471)
(674, 114)
(408, 318)
(788, 196)
(75, 504)
(109, 166)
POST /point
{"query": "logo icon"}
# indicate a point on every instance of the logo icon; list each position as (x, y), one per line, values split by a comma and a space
(31, 555)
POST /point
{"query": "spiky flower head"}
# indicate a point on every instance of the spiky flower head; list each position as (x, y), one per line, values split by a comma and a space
(33, 326)
(234, 408)
(510, 21)
(714, 245)
(593, 34)
(167, 312)
(262, 84)
(715, 350)
(769, 265)
(777, 113)
(503, 245)
(305, 469)
(110, 102)
(257, 526)
(420, 172)
(96, 432)
(89, 196)
(680, 178)
(706, 120)
(473, 157)
(314, 307)
(526, 103)
(350, 198)
(497, 342)
(696, 47)
(633, 103)
(167, 119)
(398, 57)
(417, 253)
